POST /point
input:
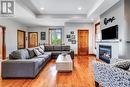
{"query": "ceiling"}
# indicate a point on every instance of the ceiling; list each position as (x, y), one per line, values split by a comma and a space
(61, 6)
(58, 12)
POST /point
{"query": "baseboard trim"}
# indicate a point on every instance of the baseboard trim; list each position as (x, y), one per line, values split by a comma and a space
(85, 55)
(92, 54)
(75, 54)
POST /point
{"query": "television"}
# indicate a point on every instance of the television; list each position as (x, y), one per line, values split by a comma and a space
(110, 33)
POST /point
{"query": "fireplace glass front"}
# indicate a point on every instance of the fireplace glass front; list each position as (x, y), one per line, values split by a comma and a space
(105, 53)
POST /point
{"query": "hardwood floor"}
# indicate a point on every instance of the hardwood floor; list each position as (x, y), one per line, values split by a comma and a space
(82, 76)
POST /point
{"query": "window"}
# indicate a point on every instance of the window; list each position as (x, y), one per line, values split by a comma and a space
(55, 36)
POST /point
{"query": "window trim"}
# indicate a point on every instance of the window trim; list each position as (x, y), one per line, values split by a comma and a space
(49, 38)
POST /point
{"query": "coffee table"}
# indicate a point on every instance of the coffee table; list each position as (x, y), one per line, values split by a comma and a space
(64, 63)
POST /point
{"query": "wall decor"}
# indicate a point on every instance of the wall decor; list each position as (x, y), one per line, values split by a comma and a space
(72, 32)
(73, 41)
(43, 35)
(67, 36)
(72, 36)
(106, 21)
(69, 40)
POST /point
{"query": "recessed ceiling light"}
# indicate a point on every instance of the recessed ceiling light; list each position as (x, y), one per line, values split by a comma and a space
(79, 8)
(42, 8)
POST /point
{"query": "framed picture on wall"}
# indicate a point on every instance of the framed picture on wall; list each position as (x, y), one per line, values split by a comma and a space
(69, 40)
(72, 36)
(43, 35)
(67, 36)
(73, 41)
(72, 32)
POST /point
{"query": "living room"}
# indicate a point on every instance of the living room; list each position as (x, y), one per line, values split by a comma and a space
(87, 33)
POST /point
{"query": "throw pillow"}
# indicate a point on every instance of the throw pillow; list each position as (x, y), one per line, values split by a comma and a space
(40, 50)
(31, 52)
(36, 51)
(125, 64)
(42, 47)
(16, 55)
(20, 54)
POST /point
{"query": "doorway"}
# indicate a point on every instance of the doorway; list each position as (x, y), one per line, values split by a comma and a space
(32, 39)
(21, 42)
(83, 42)
(2, 43)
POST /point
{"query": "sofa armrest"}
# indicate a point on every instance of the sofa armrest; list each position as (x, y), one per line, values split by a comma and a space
(110, 76)
(114, 60)
(11, 69)
(72, 54)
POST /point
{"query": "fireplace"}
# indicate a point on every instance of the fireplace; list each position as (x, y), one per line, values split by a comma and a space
(105, 53)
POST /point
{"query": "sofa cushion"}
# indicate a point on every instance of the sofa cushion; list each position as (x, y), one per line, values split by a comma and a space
(56, 52)
(125, 64)
(43, 56)
(31, 52)
(39, 61)
(59, 52)
(65, 48)
(47, 53)
(37, 52)
(20, 54)
(57, 48)
(48, 48)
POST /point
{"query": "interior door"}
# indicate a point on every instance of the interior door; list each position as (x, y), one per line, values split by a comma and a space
(83, 42)
(32, 39)
(21, 39)
(2, 43)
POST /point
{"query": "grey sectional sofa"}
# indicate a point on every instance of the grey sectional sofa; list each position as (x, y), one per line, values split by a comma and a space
(56, 50)
(25, 64)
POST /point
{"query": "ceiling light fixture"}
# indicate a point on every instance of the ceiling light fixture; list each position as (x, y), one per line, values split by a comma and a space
(42, 8)
(79, 8)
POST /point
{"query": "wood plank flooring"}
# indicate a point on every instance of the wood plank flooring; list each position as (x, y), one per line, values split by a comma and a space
(82, 76)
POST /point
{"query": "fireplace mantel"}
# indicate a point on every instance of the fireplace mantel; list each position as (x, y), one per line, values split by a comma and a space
(108, 41)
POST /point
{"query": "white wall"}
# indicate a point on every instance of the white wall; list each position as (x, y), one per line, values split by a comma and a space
(127, 19)
(11, 34)
(116, 11)
(120, 11)
(75, 27)
(12, 27)
(43, 29)
(66, 30)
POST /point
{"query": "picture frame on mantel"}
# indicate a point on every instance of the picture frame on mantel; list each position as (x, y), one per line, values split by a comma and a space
(43, 35)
